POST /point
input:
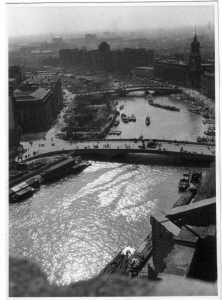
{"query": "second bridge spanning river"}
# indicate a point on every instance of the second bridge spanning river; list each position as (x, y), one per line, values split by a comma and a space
(114, 147)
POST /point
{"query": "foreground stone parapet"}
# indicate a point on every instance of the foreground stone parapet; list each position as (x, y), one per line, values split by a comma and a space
(27, 280)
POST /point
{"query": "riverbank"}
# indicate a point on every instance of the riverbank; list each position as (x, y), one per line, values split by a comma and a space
(89, 117)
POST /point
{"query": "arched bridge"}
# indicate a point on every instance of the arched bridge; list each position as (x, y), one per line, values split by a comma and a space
(123, 91)
(115, 147)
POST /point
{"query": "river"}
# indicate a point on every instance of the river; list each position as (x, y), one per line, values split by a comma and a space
(73, 227)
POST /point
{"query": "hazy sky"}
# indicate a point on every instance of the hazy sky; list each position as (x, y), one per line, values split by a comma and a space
(33, 20)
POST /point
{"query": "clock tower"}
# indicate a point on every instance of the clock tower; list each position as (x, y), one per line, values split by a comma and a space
(194, 65)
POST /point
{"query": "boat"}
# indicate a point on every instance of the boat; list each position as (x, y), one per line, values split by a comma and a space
(210, 131)
(196, 178)
(115, 132)
(21, 192)
(116, 123)
(124, 118)
(65, 167)
(184, 182)
(147, 121)
(201, 139)
(208, 121)
(152, 144)
(132, 118)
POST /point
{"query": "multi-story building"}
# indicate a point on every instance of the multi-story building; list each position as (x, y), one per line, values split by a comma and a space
(14, 128)
(106, 59)
(192, 74)
(37, 101)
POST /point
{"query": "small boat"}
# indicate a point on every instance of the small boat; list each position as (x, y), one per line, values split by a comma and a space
(115, 132)
(196, 178)
(132, 118)
(201, 139)
(152, 144)
(208, 121)
(184, 182)
(116, 123)
(210, 132)
(147, 121)
(124, 118)
(21, 192)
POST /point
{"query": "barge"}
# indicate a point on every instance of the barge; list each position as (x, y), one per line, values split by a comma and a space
(147, 121)
(68, 166)
(46, 174)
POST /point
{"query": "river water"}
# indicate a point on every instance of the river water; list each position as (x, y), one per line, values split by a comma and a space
(165, 124)
(73, 227)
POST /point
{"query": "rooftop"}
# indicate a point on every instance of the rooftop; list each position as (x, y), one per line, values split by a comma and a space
(37, 95)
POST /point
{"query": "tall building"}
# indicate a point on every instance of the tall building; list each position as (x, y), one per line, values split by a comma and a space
(194, 64)
(181, 72)
(14, 127)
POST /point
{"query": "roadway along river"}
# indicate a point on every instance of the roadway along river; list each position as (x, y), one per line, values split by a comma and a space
(73, 227)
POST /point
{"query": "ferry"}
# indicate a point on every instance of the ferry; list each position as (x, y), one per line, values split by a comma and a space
(147, 121)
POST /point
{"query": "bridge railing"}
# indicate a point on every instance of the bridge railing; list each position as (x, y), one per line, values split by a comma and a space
(140, 140)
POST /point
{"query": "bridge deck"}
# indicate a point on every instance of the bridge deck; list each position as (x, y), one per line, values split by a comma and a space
(128, 89)
(127, 146)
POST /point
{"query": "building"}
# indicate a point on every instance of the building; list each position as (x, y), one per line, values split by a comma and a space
(37, 101)
(192, 74)
(208, 84)
(16, 73)
(106, 59)
(194, 64)
(172, 70)
(14, 128)
(143, 72)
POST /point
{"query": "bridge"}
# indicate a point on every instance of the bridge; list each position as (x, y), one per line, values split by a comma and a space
(123, 91)
(118, 147)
